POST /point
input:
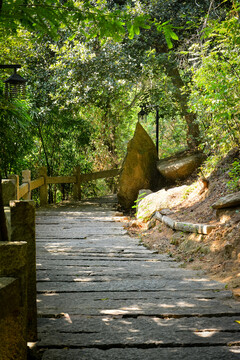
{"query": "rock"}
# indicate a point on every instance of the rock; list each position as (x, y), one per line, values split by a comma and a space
(139, 168)
(151, 224)
(179, 168)
(227, 201)
(159, 200)
(166, 212)
(143, 193)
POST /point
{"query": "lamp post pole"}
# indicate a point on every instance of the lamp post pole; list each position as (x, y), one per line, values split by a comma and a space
(143, 114)
(157, 129)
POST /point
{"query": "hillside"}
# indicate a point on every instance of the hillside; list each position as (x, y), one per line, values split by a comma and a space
(217, 254)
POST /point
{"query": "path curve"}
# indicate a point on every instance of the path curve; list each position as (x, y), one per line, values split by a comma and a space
(103, 296)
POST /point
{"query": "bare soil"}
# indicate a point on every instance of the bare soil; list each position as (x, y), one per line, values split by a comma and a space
(217, 254)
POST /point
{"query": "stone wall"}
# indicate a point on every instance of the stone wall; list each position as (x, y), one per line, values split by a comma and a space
(13, 300)
(18, 310)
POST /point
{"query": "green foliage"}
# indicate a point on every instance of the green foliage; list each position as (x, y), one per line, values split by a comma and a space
(215, 91)
(168, 32)
(15, 138)
(90, 65)
(234, 174)
(210, 164)
(140, 197)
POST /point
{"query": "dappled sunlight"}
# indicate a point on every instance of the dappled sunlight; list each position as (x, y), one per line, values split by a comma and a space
(67, 318)
(134, 331)
(196, 279)
(122, 310)
(205, 333)
(93, 295)
(160, 322)
(185, 304)
(88, 279)
(147, 306)
(167, 306)
(235, 351)
(50, 294)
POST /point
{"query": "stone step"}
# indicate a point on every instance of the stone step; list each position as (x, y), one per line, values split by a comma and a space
(101, 296)
(108, 332)
(131, 285)
(55, 303)
(163, 295)
(167, 353)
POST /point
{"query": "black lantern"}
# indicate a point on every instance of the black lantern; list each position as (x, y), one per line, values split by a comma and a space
(142, 115)
(15, 85)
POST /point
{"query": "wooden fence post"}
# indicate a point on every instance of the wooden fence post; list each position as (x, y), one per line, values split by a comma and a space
(43, 189)
(77, 185)
(26, 179)
(16, 181)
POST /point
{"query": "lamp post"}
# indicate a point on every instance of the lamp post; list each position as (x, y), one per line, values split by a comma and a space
(157, 129)
(15, 84)
(142, 115)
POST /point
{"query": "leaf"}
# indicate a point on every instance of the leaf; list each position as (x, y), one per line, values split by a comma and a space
(72, 37)
(173, 35)
(131, 32)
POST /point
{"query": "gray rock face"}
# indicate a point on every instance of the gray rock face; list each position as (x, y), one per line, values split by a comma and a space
(179, 168)
(228, 201)
(139, 168)
(159, 200)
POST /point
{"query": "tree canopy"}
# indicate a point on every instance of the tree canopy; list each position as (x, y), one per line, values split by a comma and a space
(92, 65)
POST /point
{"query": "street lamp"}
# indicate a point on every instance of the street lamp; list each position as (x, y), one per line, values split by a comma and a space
(15, 85)
(157, 129)
(142, 115)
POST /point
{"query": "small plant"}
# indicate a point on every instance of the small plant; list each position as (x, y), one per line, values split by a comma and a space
(140, 197)
(234, 174)
(188, 191)
(145, 217)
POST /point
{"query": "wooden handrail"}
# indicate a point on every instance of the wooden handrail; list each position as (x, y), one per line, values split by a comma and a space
(24, 190)
(61, 180)
(100, 175)
(36, 183)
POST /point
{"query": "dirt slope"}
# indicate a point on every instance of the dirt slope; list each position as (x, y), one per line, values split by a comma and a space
(218, 253)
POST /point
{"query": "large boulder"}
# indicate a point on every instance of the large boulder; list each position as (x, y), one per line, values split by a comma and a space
(179, 168)
(139, 169)
(227, 201)
(159, 200)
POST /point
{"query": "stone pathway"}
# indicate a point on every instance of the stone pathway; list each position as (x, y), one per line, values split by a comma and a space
(103, 296)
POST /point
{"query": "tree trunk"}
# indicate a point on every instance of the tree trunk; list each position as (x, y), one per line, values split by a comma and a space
(193, 134)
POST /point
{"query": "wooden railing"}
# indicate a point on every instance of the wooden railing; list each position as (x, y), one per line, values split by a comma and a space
(24, 190)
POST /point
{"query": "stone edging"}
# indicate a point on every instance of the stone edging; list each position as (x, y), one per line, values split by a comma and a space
(183, 226)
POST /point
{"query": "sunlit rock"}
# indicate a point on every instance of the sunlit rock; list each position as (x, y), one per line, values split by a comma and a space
(139, 168)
